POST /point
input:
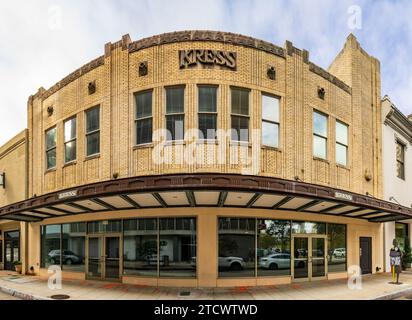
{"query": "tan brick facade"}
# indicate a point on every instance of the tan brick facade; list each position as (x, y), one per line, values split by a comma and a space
(355, 102)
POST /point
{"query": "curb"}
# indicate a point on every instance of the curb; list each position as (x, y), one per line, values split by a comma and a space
(21, 295)
(395, 295)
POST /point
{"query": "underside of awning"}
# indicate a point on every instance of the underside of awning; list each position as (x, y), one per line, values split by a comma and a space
(205, 190)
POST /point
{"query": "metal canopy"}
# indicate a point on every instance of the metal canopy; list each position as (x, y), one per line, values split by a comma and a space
(205, 190)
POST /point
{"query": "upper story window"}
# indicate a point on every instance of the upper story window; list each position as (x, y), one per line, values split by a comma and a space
(70, 140)
(400, 160)
(270, 121)
(51, 139)
(320, 135)
(175, 113)
(207, 112)
(342, 143)
(144, 117)
(240, 114)
(93, 131)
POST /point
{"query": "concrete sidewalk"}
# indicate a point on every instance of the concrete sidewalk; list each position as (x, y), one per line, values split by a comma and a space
(373, 287)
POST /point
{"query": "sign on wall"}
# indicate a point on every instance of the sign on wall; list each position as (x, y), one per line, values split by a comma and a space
(343, 196)
(192, 58)
(68, 194)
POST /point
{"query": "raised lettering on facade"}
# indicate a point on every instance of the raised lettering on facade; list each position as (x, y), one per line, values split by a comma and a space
(191, 58)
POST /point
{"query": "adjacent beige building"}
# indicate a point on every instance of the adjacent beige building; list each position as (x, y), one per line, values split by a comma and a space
(203, 159)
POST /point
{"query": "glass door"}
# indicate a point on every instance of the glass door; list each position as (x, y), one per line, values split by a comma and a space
(95, 258)
(11, 249)
(112, 258)
(318, 257)
(104, 257)
(300, 257)
(309, 257)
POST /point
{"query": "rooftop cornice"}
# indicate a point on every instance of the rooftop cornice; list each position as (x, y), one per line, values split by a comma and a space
(195, 35)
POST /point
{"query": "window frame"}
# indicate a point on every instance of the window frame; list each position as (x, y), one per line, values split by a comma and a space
(342, 144)
(47, 150)
(326, 138)
(402, 162)
(269, 95)
(137, 119)
(200, 113)
(88, 134)
(70, 140)
(174, 114)
(237, 115)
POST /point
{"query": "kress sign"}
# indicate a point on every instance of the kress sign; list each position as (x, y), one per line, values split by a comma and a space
(190, 58)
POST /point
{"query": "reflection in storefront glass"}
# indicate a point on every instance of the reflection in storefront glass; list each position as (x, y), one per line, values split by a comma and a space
(337, 248)
(140, 247)
(177, 247)
(273, 248)
(299, 227)
(50, 245)
(237, 241)
(73, 241)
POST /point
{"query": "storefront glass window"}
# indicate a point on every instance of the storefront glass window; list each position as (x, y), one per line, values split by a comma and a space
(237, 241)
(401, 234)
(337, 248)
(111, 226)
(273, 248)
(177, 247)
(140, 247)
(73, 241)
(50, 245)
(299, 227)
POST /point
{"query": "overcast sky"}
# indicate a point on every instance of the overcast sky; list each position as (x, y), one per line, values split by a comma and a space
(42, 41)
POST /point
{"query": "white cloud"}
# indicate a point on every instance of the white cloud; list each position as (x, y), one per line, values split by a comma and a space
(34, 55)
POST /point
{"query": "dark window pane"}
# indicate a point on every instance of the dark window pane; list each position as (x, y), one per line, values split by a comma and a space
(207, 99)
(337, 248)
(401, 234)
(50, 245)
(144, 131)
(240, 101)
(73, 241)
(140, 247)
(70, 151)
(51, 138)
(70, 130)
(175, 127)
(1, 251)
(240, 128)
(236, 248)
(175, 100)
(51, 158)
(144, 105)
(93, 143)
(207, 126)
(93, 120)
(273, 248)
(177, 248)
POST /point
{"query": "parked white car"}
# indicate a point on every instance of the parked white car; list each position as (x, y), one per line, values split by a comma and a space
(275, 261)
(280, 261)
(232, 263)
(339, 253)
